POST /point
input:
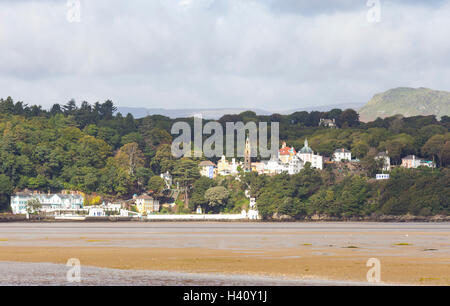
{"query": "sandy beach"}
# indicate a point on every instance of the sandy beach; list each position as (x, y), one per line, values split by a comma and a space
(410, 253)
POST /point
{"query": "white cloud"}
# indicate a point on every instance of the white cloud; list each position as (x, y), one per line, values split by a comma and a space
(206, 53)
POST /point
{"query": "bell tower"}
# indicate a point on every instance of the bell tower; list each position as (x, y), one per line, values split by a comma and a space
(247, 156)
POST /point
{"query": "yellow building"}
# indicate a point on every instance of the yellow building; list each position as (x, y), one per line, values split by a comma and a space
(226, 168)
(146, 204)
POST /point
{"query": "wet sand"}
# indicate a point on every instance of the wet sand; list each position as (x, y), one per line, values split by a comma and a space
(410, 253)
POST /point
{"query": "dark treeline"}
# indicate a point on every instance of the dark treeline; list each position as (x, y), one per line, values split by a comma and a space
(94, 149)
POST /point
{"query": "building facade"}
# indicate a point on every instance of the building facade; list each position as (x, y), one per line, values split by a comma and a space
(329, 123)
(146, 204)
(412, 162)
(306, 154)
(227, 168)
(286, 153)
(208, 169)
(67, 200)
(342, 154)
(386, 160)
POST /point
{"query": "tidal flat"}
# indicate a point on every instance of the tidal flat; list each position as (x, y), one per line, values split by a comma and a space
(232, 253)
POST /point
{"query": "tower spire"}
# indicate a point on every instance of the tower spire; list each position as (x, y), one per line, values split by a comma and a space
(247, 156)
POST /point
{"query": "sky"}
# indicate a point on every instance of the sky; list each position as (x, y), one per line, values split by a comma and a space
(266, 54)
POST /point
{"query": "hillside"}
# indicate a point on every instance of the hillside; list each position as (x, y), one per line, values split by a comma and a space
(407, 102)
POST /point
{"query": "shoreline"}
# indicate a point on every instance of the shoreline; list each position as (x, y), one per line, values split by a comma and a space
(382, 219)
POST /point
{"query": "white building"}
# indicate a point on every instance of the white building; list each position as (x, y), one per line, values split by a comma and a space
(330, 123)
(295, 165)
(104, 209)
(167, 179)
(386, 160)
(342, 154)
(253, 213)
(277, 166)
(49, 202)
(306, 154)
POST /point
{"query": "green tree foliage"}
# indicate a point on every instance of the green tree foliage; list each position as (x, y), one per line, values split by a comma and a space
(216, 197)
(185, 173)
(371, 164)
(93, 149)
(198, 194)
(156, 184)
(5, 191)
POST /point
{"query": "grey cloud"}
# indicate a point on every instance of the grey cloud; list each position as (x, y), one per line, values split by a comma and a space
(234, 53)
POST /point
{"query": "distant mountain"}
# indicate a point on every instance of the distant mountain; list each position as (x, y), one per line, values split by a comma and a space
(207, 113)
(216, 113)
(407, 102)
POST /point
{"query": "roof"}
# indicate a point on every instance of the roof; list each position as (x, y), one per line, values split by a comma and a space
(342, 150)
(144, 197)
(411, 157)
(287, 151)
(27, 193)
(306, 148)
(206, 163)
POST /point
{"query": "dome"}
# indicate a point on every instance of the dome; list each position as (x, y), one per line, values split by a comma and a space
(306, 148)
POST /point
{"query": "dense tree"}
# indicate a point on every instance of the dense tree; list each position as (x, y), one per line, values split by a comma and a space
(185, 173)
(93, 149)
(198, 195)
(156, 184)
(216, 197)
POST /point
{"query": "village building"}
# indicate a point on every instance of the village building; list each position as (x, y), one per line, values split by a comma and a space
(258, 167)
(286, 153)
(306, 154)
(295, 165)
(329, 123)
(208, 169)
(386, 160)
(146, 204)
(412, 162)
(276, 166)
(66, 200)
(226, 168)
(273, 166)
(342, 154)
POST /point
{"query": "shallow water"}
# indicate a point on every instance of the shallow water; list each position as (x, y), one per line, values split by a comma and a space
(228, 235)
(37, 274)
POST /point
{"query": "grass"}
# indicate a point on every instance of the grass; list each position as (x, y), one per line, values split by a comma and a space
(306, 244)
(3, 240)
(425, 250)
(351, 247)
(402, 243)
